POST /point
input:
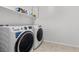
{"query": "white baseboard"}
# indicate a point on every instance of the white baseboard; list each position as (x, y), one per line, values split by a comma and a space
(65, 44)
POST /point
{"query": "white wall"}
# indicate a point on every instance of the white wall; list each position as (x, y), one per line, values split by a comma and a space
(61, 24)
(10, 17)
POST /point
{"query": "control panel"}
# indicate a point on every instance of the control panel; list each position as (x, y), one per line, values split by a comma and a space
(21, 28)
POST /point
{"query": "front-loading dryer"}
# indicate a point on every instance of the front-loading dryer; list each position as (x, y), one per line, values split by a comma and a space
(16, 38)
(38, 36)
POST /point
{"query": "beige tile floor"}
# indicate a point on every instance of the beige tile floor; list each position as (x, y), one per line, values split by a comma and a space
(52, 47)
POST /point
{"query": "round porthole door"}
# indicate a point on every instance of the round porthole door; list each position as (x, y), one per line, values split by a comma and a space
(40, 34)
(25, 42)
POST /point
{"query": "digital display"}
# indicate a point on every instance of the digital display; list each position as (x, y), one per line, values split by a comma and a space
(17, 34)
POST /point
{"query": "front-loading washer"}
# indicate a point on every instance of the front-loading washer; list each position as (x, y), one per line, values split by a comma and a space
(38, 36)
(16, 38)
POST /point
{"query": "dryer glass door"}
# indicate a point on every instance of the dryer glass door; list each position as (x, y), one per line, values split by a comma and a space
(40, 34)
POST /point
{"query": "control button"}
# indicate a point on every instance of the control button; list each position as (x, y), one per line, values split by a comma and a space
(25, 28)
(12, 28)
(21, 28)
(30, 27)
(1, 25)
(7, 25)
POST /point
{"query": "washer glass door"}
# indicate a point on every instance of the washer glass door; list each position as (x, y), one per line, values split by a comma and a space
(25, 42)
